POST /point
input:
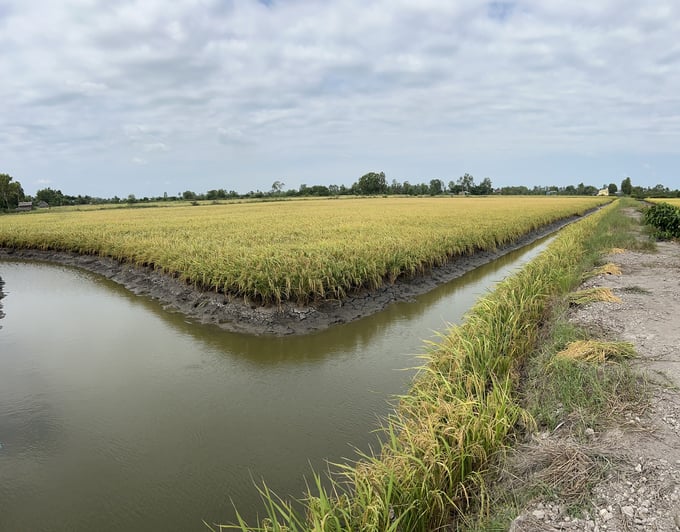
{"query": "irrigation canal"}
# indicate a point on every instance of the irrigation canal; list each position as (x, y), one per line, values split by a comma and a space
(117, 415)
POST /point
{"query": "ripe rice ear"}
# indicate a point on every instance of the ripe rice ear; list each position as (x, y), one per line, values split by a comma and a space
(592, 295)
(597, 351)
(608, 269)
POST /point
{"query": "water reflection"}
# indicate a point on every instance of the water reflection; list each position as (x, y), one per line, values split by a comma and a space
(118, 415)
(447, 302)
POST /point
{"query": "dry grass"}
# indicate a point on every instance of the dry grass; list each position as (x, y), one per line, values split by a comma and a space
(592, 295)
(608, 269)
(597, 351)
(565, 467)
(617, 251)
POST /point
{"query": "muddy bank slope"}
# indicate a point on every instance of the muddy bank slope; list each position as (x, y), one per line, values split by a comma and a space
(237, 315)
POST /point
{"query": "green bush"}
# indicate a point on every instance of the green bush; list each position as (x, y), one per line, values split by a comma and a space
(665, 218)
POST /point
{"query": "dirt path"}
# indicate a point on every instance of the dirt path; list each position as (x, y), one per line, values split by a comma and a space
(642, 490)
(237, 315)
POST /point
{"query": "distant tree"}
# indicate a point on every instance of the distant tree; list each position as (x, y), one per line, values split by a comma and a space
(188, 195)
(466, 182)
(318, 190)
(53, 198)
(483, 189)
(11, 192)
(277, 187)
(626, 186)
(372, 183)
(613, 189)
(454, 188)
(131, 198)
(396, 187)
(436, 187)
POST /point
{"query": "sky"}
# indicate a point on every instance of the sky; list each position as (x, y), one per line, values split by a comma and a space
(145, 97)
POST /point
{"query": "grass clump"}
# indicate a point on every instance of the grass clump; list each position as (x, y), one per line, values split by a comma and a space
(565, 468)
(606, 269)
(592, 295)
(579, 381)
(596, 351)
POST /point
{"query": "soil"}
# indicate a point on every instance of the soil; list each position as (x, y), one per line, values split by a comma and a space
(239, 315)
(641, 489)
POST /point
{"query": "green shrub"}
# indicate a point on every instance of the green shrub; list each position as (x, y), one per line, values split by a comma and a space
(665, 218)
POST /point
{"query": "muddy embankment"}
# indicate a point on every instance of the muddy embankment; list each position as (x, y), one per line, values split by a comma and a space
(235, 314)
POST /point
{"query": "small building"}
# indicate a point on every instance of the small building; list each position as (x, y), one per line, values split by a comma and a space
(25, 206)
(603, 192)
(43, 205)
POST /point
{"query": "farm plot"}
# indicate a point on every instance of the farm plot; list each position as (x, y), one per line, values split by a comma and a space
(301, 251)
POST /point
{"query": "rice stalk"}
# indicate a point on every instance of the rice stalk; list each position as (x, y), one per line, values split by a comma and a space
(597, 351)
(592, 295)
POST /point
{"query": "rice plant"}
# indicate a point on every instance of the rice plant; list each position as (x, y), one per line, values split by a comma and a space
(295, 250)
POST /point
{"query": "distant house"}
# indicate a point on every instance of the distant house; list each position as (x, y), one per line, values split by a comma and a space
(603, 192)
(43, 205)
(25, 206)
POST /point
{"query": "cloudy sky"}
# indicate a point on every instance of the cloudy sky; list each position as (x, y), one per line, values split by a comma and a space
(142, 97)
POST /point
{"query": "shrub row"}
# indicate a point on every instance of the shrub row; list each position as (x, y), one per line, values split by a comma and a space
(665, 218)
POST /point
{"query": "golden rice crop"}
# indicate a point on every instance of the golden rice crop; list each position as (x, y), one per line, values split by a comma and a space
(592, 295)
(673, 201)
(293, 250)
(597, 351)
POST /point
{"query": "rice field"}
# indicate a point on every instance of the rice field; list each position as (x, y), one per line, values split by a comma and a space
(301, 251)
(673, 201)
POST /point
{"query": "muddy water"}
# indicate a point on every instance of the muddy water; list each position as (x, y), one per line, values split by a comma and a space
(117, 415)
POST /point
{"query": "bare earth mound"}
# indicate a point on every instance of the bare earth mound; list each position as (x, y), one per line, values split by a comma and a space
(642, 489)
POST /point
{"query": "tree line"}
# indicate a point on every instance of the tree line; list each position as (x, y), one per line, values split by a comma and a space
(370, 184)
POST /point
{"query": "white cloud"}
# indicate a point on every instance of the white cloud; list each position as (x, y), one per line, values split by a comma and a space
(304, 84)
(156, 147)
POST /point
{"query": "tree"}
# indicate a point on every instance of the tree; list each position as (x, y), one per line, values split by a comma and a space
(188, 195)
(372, 183)
(466, 183)
(613, 189)
(277, 187)
(436, 187)
(626, 186)
(483, 189)
(11, 192)
(52, 197)
(454, 188)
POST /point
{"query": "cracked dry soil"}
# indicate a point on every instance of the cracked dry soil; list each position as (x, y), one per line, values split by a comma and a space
(641, 490)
